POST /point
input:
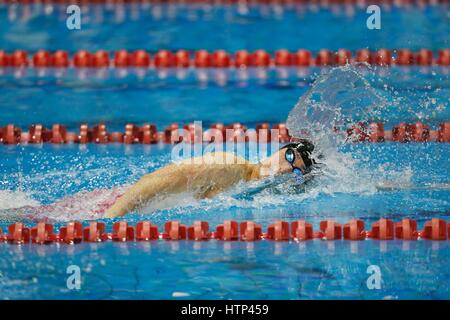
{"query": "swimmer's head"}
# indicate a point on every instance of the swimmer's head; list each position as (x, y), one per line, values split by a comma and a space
(298, 154)
(293, 157)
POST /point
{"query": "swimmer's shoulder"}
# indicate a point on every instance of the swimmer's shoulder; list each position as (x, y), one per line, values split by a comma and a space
(225, 158)
(215, 158)
(226, 161)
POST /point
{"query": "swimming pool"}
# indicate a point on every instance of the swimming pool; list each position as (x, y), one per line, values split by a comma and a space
(35, 175)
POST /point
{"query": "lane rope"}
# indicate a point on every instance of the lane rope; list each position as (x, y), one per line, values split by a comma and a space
(217, 133)
(221, 58)
(74, 232)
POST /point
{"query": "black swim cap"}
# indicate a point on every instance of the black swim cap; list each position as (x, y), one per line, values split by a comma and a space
(304, 148)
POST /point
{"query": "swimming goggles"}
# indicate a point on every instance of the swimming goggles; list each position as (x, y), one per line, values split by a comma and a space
(289, 155)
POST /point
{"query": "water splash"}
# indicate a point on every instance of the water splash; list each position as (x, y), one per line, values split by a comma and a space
(339, 97)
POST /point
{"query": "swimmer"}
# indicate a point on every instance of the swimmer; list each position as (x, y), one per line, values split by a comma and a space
(213, 173)
(219, 172)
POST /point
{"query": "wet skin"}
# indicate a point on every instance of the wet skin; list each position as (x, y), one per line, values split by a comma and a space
(205, 176)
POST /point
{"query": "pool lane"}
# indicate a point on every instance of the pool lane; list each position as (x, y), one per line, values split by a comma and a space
(116, 97)
(154, 27)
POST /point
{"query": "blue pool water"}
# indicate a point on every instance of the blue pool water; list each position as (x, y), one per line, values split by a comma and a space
(71, 175)
(156, 27)
(248, 96)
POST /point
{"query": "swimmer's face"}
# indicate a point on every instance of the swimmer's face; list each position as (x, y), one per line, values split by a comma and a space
(277, 163)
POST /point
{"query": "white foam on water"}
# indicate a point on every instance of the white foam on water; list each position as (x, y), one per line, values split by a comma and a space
(84, 205)
(10, 199)
(167, 202)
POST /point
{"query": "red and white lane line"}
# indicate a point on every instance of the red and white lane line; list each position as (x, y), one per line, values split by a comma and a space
(221, 58)
(217, 133)
(300, 230)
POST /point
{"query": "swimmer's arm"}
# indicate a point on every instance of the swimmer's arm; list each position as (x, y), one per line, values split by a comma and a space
(205, 180)
(166, 180)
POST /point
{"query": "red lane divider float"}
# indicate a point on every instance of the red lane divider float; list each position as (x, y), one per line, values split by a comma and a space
(403, 132)
(221, 58)
(148, 134)
(383, 229)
